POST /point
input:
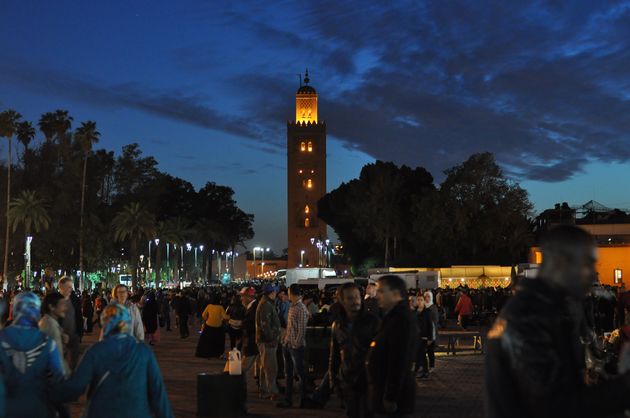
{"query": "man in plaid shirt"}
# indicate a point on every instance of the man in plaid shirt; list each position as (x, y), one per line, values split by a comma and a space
(293, 346)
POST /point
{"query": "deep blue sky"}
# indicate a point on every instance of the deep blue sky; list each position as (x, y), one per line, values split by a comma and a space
(207, 86)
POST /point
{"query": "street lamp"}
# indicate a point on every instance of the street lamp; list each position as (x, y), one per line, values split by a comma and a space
(302, 258)
(262, 269)
(28, 260)
(254, 262)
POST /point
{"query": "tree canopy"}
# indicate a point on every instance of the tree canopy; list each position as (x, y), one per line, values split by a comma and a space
(395, 215)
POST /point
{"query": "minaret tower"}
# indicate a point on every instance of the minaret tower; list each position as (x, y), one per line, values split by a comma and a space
(306, 178)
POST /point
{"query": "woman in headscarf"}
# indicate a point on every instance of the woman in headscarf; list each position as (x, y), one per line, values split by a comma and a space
(29, 360)
(121, 372)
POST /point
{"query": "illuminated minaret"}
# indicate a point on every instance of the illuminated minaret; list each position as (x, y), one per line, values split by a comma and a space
(306, 178)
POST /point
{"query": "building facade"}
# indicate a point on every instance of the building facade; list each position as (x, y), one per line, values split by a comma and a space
(306, 178)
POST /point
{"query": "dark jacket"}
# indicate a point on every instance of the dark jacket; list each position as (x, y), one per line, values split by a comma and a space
(425, 324)
(267, 322)
(390, 358)
(182, 307)
(371, 305)
(535, 361)
(249, 331)
(349, 345)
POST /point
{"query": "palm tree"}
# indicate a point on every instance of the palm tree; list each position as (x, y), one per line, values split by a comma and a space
(133, 223)
(87, 136)
(29, 211)
(46, 125)
(25, 134)
(8, 126)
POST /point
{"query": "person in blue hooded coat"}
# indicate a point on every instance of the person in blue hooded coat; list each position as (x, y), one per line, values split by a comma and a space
(30, 362)
(122, 374)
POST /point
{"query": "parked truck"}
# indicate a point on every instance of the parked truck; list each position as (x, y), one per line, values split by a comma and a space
(304, 273)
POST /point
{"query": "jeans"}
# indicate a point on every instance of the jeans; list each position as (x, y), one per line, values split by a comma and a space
(294, 365)
(183, 326)
(269, 368)
(421, 357)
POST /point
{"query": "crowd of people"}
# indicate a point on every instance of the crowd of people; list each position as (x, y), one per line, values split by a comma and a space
(382, 338)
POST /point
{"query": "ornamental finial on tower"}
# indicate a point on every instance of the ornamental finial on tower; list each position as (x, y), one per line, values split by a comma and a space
(306, 79)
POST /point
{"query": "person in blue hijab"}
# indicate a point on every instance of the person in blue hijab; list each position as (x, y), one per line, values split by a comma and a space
(30, 362)
(121, 372)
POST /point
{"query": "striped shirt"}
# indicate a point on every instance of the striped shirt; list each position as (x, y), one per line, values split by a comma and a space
(296, 326)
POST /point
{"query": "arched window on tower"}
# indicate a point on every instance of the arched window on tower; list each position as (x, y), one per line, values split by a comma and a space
(308, 184)
(307, 210)
(310, 146)
(303, 146)
(307, 222)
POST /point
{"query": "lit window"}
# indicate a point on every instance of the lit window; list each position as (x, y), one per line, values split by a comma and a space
(307, 209)
(618, 276)
(309, 184)
(310, 146)
(303, 146)
(301, 171)
(307, 223)
(312, 171)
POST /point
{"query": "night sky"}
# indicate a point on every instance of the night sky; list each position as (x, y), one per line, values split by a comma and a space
(207, 87)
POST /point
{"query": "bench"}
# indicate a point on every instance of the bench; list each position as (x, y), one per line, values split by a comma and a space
(454, 336)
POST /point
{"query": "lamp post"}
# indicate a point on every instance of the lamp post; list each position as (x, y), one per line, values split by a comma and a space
(168, 260)
(158, 268)
(302, 258)
(28, 260)
(262, 269)
(149, 259)
(254, 262)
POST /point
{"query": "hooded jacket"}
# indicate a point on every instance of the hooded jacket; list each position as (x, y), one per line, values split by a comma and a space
(124, 381)
(30, 363)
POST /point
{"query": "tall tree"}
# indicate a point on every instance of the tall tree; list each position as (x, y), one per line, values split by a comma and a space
(9, 120)
(25, 134)
(86, 135)
(133, 224)
(47, 125)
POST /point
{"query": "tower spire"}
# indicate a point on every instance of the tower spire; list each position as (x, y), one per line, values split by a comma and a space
(306, 79)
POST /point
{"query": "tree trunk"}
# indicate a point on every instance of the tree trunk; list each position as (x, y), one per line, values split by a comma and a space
(85, 158)
(5, 268)
(387, 251)
(133, 251)
(158, 265)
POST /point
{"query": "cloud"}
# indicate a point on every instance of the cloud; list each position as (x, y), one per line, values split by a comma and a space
(542, 85)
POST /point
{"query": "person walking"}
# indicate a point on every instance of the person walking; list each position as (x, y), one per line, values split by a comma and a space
(211, 342)
(121, 372)
(236, 314)
(87, 312)
(392, 352)
(435, 319)
(72, 323)
(350, 341)
(294, 344)
(535, 358)
(249, 346)
(425, 334)
(464, 309)
(54, 310)
(165, 309)
(267, 338)
(150, 311)
(182, 308)
(28, 382)
(120, 295)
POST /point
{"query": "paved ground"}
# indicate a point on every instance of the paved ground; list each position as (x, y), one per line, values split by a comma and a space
(455, 389)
